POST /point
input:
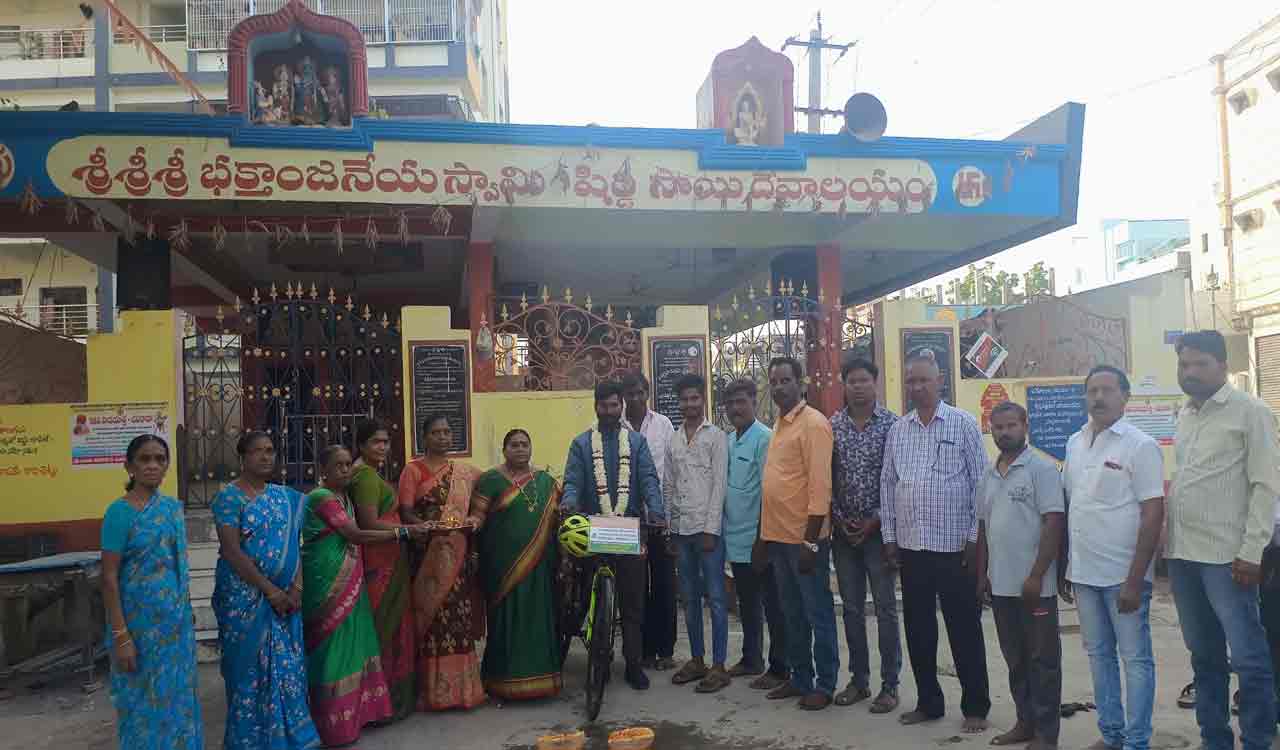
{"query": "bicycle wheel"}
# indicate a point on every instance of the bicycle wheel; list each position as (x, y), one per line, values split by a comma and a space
(600, 650)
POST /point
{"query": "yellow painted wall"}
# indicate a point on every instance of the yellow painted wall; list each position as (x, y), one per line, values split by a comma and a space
(136, 364)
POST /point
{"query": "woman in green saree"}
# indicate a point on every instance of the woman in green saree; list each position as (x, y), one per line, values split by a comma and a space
(344, 669)
(518, 562)
(386, 566)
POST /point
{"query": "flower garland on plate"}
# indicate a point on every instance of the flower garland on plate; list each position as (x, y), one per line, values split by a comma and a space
(607, 506)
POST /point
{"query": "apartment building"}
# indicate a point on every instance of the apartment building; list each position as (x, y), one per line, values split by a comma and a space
(439, 59)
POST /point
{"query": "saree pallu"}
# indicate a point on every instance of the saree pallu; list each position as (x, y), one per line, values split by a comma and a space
(344, 671)
(448, 604)
(157, 704)
(263, 665)
(518, 566)
(387, 581)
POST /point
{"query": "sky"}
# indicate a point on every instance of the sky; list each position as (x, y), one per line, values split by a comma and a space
(943, 68)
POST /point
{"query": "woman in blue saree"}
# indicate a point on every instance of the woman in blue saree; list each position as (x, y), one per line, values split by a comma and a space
(257, 598)
(147, 599)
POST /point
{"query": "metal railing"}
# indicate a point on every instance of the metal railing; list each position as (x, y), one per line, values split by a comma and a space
(157, 33)
(380, 21)
(64, 320)
(45, 44)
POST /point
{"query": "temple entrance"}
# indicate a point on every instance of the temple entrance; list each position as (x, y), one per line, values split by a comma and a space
(303, 368)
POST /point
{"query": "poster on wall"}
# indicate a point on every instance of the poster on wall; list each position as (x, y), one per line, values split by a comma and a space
(987, 355)
(1055, 413)
(1156, 415)
(440, 385)
(670, 358)
(936, 344)
(994, 395)
(101, 433)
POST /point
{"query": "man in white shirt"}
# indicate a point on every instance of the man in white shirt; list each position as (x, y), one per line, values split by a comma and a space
(1222, 506)
(1114, 479)
(660, 603)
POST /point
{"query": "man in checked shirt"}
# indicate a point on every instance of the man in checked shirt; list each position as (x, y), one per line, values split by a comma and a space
(933, 461)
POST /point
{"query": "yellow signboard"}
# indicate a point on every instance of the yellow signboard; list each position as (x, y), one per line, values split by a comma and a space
(439, 173)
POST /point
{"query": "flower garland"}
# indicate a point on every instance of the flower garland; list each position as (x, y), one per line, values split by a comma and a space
(602, 478)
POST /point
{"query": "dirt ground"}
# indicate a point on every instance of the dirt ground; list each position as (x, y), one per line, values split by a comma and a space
(62, 717)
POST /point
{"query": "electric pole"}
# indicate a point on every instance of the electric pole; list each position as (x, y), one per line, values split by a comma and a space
(815, 46)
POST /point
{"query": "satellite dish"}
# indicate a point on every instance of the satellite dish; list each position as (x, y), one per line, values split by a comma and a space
(864, 117)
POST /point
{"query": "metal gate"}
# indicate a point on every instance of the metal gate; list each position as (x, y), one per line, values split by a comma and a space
(302, 368)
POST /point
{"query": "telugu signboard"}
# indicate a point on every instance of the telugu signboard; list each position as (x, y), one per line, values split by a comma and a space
(670, 358)
(101, 433)
(186, 168)
(440, 386)
(1055, 413)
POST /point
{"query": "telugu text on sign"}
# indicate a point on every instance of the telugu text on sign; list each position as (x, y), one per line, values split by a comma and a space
(101, 433)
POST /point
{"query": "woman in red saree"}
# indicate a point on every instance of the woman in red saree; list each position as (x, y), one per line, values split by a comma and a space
(386, 567)
(449, 609)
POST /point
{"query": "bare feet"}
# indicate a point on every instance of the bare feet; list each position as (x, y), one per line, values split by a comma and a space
(1019, 734)
(974, 725)
(916, 717)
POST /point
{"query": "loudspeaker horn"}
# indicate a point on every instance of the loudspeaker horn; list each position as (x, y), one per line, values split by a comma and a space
(865, 117)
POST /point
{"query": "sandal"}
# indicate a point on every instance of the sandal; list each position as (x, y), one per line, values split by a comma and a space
(815, 701)
(1187, 698)
(784, 691)
(692, 671)
(769, 681)
(715, 681)
(743, 669)
(852, 695)
(885, 702)
(664, 664)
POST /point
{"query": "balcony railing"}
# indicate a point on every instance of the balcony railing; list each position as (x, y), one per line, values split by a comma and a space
(46, 44)
(160, 33)
(380, 21)
(64, 320)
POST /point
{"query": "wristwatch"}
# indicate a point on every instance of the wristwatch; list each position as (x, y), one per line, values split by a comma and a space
(811, 546)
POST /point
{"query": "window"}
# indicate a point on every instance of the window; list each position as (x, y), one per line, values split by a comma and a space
(1249, 220)
(10, 287)
(1204, 242)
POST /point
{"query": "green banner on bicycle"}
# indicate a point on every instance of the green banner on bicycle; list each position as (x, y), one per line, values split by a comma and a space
(611, 535)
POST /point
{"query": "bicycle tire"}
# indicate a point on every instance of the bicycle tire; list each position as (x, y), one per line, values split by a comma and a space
(600, 650)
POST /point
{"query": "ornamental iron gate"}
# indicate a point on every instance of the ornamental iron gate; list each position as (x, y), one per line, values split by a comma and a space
(758, 326)
(301, 368)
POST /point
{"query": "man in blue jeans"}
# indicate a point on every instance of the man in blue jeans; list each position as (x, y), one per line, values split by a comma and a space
(795, 537)
(1221, 515)
(693, 488)
(1114, 479)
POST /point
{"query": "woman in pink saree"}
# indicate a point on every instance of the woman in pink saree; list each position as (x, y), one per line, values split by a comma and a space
(447, 598)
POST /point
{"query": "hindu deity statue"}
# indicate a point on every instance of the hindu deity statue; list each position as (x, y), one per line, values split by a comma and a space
(264, 107)
(749, 121)
(281, 95)
(306, 93)
(332, 96)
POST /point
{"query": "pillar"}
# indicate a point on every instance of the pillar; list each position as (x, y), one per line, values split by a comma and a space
(480, 309)
(824, 359)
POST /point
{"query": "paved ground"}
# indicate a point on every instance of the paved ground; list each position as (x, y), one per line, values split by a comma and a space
(63, 718)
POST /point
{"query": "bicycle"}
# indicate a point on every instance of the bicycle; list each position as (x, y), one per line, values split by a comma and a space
(593, 616)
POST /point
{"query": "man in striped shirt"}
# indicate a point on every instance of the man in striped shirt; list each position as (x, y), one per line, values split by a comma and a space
(1221, 511)
(933, 461)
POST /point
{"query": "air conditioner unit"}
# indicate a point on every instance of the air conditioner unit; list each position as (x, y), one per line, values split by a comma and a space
(1248, 220)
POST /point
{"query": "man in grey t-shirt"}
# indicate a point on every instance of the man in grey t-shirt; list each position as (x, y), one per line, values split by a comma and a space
(1021, 520)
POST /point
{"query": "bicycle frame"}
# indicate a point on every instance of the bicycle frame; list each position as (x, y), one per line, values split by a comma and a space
(603, 569)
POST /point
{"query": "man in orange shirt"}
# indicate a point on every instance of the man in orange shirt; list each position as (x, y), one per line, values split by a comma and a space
(795, 537)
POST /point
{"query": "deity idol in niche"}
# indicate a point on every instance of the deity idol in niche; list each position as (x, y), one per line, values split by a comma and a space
(748, 121)
(306, 93)
(264, 107)
(281, 95)
(332, 96)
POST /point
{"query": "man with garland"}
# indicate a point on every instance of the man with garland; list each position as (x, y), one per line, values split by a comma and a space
(597, 458)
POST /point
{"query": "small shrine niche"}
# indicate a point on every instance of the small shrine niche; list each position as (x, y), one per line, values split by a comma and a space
(748, 94)
(297, 67)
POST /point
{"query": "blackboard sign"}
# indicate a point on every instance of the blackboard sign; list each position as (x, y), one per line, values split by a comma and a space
(440, 386)
(670, 358)
(935, 342)
(1055, 413)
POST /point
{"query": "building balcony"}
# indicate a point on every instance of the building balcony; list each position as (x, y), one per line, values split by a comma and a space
(209, 22)
(72, 321)
(46, 53)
